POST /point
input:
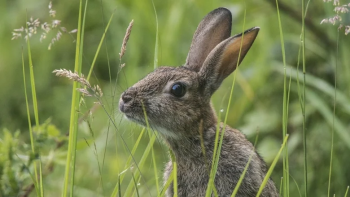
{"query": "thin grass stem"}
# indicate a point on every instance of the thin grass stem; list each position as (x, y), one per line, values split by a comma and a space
(303, 106)
(269, 172)
(333, 121)
(155, 63)
(32, 142)
(174, 172)
(216, 155)
(285, 109)
(73, 115)
(166, 185)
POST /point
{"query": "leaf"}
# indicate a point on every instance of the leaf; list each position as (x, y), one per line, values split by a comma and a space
(52, 131)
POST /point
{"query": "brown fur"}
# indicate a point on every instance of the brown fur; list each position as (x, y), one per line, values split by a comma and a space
(213, 56)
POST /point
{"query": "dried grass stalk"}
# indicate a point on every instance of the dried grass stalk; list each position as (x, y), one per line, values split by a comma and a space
(125, 40)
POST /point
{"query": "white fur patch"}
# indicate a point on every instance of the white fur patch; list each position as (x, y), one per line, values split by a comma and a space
(166, 133)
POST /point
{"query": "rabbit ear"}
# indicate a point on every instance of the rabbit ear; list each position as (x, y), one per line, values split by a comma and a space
(212, 30)
(225, 57)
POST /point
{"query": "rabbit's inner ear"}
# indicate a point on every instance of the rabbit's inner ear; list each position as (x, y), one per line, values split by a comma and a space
(234, 53)
(212, 30)
(224, 59)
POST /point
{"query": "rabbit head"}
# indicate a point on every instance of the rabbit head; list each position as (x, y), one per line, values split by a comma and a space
(177, 99)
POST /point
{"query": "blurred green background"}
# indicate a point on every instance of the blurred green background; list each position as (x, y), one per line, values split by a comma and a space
(257, 99)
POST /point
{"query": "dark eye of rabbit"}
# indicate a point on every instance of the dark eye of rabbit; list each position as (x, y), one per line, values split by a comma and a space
(178, 90)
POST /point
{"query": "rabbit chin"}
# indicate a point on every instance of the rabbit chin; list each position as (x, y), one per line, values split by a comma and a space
(141, 121)
(135, 119)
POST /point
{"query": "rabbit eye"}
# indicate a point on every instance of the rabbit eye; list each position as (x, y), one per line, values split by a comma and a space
(178, 90)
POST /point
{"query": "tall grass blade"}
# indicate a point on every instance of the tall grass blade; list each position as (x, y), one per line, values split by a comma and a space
(303, 106)
(141, 163)
(155, 63)
(296, 184)
(269, 172)
(36, 114)
(334, 106)
(234, 193)
(346, 193)
(155, 170)
(280, 193)
(127, 164)
(78, 65)
(135, 184)
(216, 154)
(174, 172)
(213, 171)
(96, 155)
(99, 47)
(145, 154)
(167, 185)
(32, 142)
(73, 126)
(285, 109)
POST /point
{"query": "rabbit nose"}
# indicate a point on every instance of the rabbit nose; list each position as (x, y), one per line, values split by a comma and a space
(126, 97)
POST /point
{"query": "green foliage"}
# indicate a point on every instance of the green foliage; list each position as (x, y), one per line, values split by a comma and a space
(115, 157)
(17, 160)
(10, 168)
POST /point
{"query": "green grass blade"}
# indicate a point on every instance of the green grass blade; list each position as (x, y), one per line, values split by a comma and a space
(296, 184)
(213, 171)
(77, 67)
(269, 172)
(155, 170)
(280, 193)
(141, 163)
(334, 106)
(36, 113)
(155, 64)
(241, 177)
(41, 179)
(234, 193)
(96, 156)
(73, 125)
(346, 193)
(145, 154)
(304, 94)
(32, 142)
(285, 106)
(216, 155)
(99, 47)
(135, 184)
(174, 172)
(127, 164)
(167, 185)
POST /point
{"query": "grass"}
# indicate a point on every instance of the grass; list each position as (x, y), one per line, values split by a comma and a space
(73, 126)
(38, 177)
(35, 180)
(139, 168)
(285, 110)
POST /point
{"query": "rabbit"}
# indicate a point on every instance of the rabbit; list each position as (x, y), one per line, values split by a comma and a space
(177, 103)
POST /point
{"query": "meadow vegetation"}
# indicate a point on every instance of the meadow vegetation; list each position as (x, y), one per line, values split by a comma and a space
(297, 85)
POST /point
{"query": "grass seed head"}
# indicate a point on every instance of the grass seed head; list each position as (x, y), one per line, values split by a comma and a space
(126, 39)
